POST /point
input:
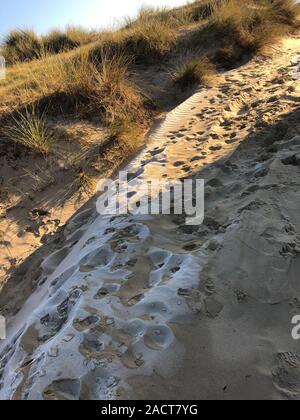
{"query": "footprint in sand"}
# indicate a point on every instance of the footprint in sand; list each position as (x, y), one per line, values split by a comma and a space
(64, 389)
(158, 338)
(86, 324)
(186, 168)
(216, 148)
(231, 141)
(197, 158)
(179, 163)
(156, 151)
(286, 374)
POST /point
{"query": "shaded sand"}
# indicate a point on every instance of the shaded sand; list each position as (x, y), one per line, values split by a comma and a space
(38, 195)
(147, 307)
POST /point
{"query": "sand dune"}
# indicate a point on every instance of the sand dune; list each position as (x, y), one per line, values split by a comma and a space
(147, 307)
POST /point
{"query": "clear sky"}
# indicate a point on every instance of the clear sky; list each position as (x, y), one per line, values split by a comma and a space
(42, 15)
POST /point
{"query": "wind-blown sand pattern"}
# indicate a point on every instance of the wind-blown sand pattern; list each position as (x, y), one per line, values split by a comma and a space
(145, 306)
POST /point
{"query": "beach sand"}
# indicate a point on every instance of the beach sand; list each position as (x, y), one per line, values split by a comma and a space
(147, 307)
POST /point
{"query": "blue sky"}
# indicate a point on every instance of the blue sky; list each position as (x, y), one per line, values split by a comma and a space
(42, 15)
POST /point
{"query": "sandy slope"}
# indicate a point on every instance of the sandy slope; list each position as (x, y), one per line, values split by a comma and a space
(148, 307)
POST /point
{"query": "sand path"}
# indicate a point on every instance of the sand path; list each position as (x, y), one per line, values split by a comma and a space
(148, 307)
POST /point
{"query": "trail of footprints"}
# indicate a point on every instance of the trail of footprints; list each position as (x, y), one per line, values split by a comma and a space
(108, 314)
(228, 113)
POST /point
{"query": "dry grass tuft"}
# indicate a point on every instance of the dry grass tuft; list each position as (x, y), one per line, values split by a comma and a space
(58, 41)
(145, 42)
(193, 71)
(247, 27)
(25, 45)
(88, 88)
(20, 46)
(30, 129)
(150, 39)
